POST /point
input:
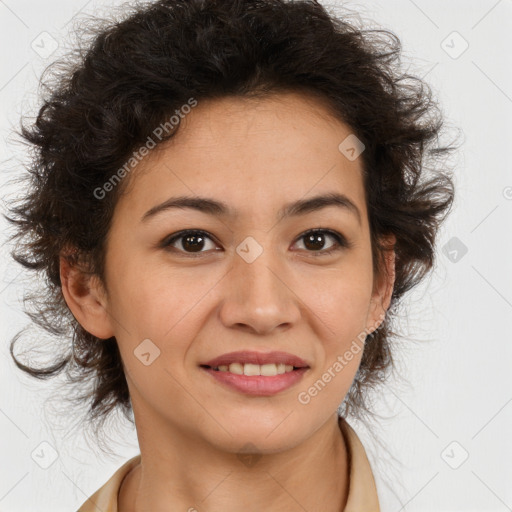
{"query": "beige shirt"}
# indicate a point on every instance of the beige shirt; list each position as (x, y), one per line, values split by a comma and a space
(362, 493)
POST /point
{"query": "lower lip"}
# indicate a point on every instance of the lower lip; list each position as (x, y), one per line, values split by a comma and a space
(258, 385)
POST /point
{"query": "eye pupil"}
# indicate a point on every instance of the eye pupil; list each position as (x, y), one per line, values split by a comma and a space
(189, 244)
(314, 241)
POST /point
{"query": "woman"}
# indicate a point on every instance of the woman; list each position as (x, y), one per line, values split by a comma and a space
(228, 198)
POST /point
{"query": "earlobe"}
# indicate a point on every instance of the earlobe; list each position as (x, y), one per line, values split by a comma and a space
(383, 289)
(86, 299)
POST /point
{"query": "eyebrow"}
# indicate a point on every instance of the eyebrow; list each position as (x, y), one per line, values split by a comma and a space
(220, 209)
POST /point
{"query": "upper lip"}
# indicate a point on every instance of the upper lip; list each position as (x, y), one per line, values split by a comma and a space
(247, 356)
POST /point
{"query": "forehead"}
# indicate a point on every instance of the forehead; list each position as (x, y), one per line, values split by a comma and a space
(283, 120)
(251, 152)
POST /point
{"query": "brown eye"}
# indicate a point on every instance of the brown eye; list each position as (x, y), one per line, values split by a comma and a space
(316, 240)
(195, 242)
(188, 242)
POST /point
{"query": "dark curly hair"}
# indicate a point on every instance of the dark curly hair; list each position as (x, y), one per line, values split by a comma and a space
(102, 102)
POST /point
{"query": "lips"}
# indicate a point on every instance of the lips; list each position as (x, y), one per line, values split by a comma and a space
(240, 371)
(259, 358)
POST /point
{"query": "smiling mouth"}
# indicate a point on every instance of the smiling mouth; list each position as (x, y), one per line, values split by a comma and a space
(249, 369)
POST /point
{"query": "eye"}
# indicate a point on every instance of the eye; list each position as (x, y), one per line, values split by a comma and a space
(314, 241)
(192, 242)
(189, 242)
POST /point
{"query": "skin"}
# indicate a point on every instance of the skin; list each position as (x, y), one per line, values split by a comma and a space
(256, 156)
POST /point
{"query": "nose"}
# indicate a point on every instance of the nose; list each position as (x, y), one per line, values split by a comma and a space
(257, 297)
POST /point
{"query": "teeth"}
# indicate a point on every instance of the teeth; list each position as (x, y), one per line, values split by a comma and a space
(267, 370)
(252, 369)
(236, 368)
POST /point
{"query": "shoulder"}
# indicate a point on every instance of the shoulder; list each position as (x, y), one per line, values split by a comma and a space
(105, 498)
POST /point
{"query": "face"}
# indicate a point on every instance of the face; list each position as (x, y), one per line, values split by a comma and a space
(187, 285)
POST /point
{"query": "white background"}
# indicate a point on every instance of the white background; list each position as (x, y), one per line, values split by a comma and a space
(457, 354)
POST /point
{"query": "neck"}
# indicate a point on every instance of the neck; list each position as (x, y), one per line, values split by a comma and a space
(192, 476)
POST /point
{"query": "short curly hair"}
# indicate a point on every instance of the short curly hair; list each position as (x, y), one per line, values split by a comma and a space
(105, 100)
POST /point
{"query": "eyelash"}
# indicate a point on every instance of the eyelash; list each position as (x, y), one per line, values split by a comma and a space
(341, 242)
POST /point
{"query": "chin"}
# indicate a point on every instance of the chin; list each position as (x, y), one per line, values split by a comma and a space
(259, 437)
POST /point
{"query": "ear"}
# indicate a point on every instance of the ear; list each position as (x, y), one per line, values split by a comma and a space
(383, 286)
(86, 298)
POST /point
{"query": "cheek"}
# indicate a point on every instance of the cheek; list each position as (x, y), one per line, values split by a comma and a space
(159, 316)
(159, 303)
(341, 298)
(342, 308)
